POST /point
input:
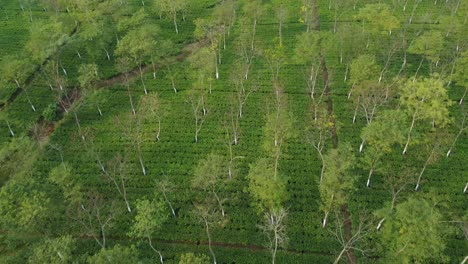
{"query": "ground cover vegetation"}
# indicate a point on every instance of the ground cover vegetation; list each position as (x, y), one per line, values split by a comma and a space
(233, 131)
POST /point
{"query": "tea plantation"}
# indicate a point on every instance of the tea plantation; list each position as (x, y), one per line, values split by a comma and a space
(233, 131)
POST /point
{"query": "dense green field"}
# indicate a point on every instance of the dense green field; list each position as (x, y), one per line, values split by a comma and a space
(175, 156)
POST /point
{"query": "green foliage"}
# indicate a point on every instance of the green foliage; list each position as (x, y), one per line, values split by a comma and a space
(88, 73)
(460, 76)
(50, 112)
(46, 37)
(378, 18)
(118, 255)
(363, 68)
(210, 172)
(54, 251)
(151, 215)
(312, 45)
(414, 233)
(386, 131)
(62, 176)
(429, 45)
(338, 180)
(16, 158)
(23, 207)
(15, 70)
(190, 258)
(267, 191)
(426, 99)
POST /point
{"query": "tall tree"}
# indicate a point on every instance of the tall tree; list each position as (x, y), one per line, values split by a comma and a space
(150, 217)
(171, 8)
(54, 251)
(264, 187)
(338, 179)
(427, 100)
(402, 235)
(118, 254)
(206, 213)
(274, 227)
(209, 176)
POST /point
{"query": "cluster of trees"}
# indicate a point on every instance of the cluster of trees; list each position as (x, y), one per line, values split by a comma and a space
(405, 110)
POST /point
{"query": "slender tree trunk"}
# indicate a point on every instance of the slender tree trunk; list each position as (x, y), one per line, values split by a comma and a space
(423, 169)
(142, 80)
(9, 128)
(175, 22)
(409, 133)
(207, 228)
(219, 202)
(169, 203)
(155, 250)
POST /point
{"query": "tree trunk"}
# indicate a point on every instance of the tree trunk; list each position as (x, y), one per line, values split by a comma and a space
(155, 250)
(209, 241)
(175, 22)
(169, 203)
(409, 133)
(142, 81)
(9, 128)
(219, 203)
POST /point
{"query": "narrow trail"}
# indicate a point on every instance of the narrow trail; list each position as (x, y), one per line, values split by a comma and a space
(348, 225)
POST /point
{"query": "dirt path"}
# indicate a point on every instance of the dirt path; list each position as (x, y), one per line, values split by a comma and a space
(348, 225)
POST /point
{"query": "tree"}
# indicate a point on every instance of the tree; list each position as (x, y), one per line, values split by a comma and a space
(276, 58)
(318, 132)
(96, 217)
(197, 103)
(24, 207)
(206, 212)
(381, 135)
(425, 99)
(150, 217)
(429, 45)
(363, 68)
(210, 30)
(17, 157)
(190, 258)
(460, 75)
(278, 128)
(309, 50)
(253, 11)
(349, 244)
(378, 18)
(268, 191)
(140, 41)
(171, 8)
(307, 14)
(165, 186)
(118, 255)
(46, 39)
(274, 227)
(368, 97)
(17, 70)
(280, 7)
(88, 75)
(62, 176)
(209, 175)
(402, 235)
(150, 110)
(338, 180)
(116, 174)
(54, 251)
